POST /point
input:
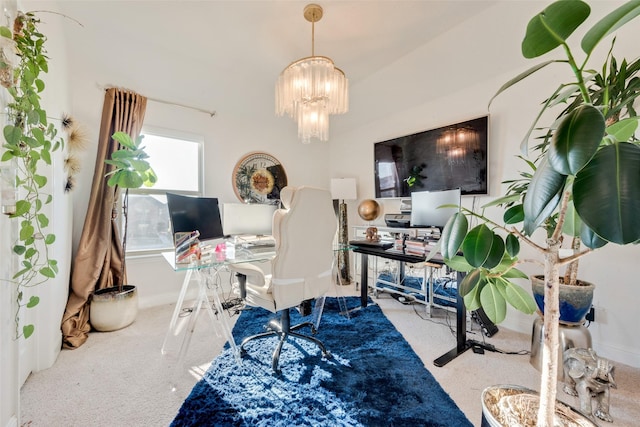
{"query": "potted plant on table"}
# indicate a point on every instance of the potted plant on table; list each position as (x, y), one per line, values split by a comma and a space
(117, 307)
(584, 183)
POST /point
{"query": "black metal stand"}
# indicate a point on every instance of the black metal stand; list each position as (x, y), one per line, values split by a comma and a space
(462, 344)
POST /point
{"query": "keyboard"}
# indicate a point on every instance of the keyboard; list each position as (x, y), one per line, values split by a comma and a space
(262, 243)
(261, 249)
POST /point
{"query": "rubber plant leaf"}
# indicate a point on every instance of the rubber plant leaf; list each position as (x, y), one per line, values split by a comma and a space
(458, 263)
(591, 239)
(514, 215)
(551, 27)
(453, 234)
(493, 302)
(512, 245)
(477, 245)
(606, 193)
(496, 253)
(506, 263)
(543, 196)
(514, 273)
(576, 139)
(519, 299)
(470, 281)
(434, 250)
(609, 24)
(572, 222)
(472, 299)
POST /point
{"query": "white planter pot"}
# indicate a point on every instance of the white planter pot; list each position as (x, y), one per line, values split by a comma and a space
(503, 406)
(112, 310)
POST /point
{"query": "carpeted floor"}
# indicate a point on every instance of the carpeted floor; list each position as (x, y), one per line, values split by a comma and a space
(373, 378)
(120, 379)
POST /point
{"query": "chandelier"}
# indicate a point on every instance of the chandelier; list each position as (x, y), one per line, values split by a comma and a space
(311, 88)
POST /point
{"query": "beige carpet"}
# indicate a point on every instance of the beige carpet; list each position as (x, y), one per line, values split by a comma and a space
(121, 379)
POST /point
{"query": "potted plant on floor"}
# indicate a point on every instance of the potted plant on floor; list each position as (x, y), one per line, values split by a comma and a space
(117, 307)
(586, 176)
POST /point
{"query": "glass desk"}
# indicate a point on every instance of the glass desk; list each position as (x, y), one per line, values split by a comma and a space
(204, 272)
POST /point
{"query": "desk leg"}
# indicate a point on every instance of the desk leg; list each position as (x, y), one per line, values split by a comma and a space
(462, 344)
(176, 311)
(364, 279)
(226, 327)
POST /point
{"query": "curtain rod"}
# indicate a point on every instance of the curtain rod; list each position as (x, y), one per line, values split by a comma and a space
(162, 101)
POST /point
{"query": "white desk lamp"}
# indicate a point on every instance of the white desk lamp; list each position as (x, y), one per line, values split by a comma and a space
(343, 189)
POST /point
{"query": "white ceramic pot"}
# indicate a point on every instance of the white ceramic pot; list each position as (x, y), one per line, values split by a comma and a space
(111, 310)
(502, 406)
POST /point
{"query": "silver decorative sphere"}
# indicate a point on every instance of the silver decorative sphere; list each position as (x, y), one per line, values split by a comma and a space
(369, 209)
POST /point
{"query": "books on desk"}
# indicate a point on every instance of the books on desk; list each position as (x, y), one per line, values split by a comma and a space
(187, 247)
(414, 247)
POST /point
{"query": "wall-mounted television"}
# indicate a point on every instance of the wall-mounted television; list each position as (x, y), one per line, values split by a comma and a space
(445, 158)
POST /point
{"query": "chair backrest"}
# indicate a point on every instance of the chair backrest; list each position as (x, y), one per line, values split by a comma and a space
(304, 232)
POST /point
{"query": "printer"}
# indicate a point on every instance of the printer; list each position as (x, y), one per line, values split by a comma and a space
(398, 220)
(402, 219)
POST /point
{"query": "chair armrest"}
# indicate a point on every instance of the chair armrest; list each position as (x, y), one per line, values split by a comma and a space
(254, 274)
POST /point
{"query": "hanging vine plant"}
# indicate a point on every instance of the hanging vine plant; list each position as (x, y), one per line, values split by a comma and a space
(29, 141)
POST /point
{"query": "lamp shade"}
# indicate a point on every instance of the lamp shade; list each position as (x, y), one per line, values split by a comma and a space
(343, 189)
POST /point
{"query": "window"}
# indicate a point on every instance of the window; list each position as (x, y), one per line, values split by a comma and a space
(177, 160)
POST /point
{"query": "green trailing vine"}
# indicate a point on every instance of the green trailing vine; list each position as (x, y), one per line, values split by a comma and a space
(29, 141)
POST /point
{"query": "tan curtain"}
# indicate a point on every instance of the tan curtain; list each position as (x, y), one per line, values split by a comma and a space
(98, 261)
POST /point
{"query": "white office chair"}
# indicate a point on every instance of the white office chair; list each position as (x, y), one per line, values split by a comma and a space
(301, 270)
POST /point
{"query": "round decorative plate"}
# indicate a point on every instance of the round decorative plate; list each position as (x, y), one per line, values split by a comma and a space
(258, 178)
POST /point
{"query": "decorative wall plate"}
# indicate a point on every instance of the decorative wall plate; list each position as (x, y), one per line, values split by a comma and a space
(258, 177)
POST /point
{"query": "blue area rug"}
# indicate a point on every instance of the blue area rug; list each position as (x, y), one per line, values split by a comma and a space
(374, 378)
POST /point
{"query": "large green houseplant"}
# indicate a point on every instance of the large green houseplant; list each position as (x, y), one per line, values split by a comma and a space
(29, 140)
(116, 307)
(586, 177)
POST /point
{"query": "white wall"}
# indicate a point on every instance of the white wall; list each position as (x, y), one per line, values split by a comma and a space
(452, 79)
(21, 357)
(228, 136)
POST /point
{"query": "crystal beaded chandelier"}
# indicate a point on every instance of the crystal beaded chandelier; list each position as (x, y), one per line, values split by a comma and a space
(311, 88)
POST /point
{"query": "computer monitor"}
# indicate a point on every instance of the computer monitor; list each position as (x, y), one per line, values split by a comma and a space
(425, 211)
(252, 219)
(189, 213)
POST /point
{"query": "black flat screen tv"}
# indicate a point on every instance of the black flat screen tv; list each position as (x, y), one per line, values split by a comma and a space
(445, 158)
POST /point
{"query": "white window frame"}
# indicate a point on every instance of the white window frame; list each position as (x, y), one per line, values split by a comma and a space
(172, 134)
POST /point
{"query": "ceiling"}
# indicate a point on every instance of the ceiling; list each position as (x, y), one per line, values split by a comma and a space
(226, 55)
